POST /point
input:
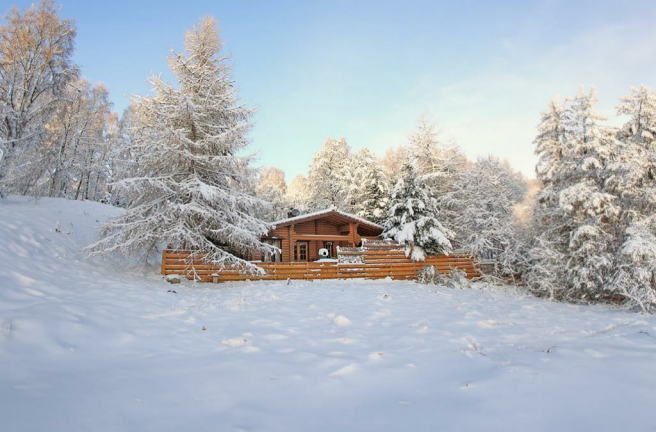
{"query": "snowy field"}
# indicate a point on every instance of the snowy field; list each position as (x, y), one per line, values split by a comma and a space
(95, 346)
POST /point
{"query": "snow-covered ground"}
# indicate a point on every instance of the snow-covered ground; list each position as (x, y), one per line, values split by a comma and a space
(95, 346)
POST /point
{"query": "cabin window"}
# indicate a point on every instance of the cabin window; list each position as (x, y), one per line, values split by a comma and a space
(272, 257)
(301, 251)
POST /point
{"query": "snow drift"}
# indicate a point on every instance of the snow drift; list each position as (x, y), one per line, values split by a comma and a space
(98, 346)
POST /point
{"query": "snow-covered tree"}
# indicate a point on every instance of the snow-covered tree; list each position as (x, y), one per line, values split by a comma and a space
(189, 191)
(79, 143)
(298, 193)
(635, 279)
(328, 178)
(579, 218)
(359, 167)
(273, 188)
(484, 200)
(634, 183)
(634, 168)
(438, 163)
(424, 147)
(546, 274)
(436, 160)
(375, 196)
(36, 49)
(593, 211)
(393, 162)
(412, 219)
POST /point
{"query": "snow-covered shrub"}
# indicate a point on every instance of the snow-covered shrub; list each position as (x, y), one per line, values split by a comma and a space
(350, 258)
(455, 278)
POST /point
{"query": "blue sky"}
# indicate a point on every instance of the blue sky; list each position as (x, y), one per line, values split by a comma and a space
(366, 70)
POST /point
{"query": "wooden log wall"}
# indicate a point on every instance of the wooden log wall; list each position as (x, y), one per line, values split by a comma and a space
(377, 264)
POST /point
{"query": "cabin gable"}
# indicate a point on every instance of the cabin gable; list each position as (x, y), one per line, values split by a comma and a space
(300, 238)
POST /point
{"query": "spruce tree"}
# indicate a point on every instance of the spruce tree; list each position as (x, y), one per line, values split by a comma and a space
(189, 191)
(361, 166)
(546, 274)
(634, 182)
(412, 219)
(375, 202)
(592, 210)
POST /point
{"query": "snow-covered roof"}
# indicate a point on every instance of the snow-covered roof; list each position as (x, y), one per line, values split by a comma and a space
(326, 212)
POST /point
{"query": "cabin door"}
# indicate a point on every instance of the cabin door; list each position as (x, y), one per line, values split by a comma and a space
(273, 257)
(301, 250)
(331, 248)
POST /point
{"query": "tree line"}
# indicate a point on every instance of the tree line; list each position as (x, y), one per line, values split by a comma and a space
(178, 161)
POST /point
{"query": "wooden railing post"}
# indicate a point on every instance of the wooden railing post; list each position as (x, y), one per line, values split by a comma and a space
(163, 270)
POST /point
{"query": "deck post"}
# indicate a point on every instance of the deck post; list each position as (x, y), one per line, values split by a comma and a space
(163, 271)
(353, 233)
(291, 243)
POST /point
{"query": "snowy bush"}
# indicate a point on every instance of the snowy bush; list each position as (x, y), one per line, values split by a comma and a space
(455, 278)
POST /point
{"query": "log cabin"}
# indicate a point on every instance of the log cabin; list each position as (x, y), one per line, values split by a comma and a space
(300, 238)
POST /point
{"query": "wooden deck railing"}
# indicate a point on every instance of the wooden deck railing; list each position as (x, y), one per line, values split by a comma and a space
(377, 264)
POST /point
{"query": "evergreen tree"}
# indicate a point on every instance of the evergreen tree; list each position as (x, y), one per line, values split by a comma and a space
(189, 191)
(593, 211)
(634, 170)
(546, 275)
(412, 219)
(635, 279)
(375, 197)
(438, 163)
(360, 165)
(435, 159)
(634, 183)
(578, 216)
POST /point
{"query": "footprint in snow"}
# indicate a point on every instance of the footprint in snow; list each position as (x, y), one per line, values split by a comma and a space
(346, 370)
(234, 342)
(594, 353)
(342, 321)
(343, 341)
(376, 355)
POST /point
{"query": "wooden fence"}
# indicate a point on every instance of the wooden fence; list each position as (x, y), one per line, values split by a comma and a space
(377, 264)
